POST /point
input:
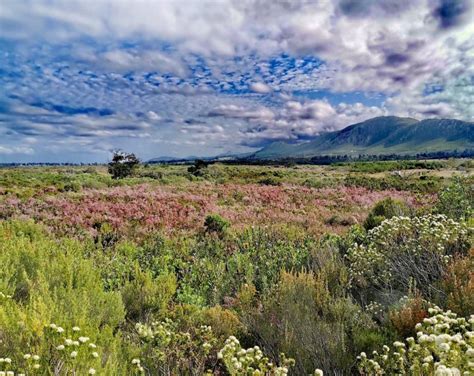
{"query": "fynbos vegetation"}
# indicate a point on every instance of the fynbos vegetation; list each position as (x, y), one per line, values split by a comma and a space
(237, 270)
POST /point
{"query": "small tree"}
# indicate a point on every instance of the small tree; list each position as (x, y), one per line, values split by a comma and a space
(198, 168)
(123, 164)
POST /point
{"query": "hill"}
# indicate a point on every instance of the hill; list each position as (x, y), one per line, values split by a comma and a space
(381, 136)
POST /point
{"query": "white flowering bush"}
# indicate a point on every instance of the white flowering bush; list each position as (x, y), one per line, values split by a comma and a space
(403, 250)
(167, 349)
(69, 353)
(252, 362)
(444, 346)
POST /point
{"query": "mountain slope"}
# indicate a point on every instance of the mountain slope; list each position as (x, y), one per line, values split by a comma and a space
(381, 135)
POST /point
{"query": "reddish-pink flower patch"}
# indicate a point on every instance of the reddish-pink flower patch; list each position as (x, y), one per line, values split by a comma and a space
(146, 208)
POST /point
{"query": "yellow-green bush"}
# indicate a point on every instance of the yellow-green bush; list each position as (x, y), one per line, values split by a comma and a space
(51, 282)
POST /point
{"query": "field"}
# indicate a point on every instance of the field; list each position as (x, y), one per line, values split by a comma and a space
(240, 270)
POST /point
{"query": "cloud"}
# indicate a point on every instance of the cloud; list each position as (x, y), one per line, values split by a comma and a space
(8, 150)
(49, 120)
(239, 112)
(294, 119)
(260, 88)
(153, 116)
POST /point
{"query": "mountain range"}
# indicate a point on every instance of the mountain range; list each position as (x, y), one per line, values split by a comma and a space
(380, 136)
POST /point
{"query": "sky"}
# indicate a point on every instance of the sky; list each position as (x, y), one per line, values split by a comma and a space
(79, 79)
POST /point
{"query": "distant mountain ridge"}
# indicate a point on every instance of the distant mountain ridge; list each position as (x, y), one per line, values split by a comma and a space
(380, 136)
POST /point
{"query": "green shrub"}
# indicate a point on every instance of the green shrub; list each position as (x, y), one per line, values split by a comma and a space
(199, 168)
(270, 181)
(214, 223)
(51, 281)
(386, 209)
(73, 186)
(337, 220)
(301, 318)
(457, 200)
(168, 350)
(145, 296)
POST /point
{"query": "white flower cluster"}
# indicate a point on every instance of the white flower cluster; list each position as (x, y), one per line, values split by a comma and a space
(375, 309)
(165, 340)
(31, 363)
(371, 261)
(252, 361)
(444, 346)
(73, 346)
(137, 364)
(158, 330)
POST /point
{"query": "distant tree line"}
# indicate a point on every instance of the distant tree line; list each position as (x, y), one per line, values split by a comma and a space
(330, 159)
(317, 160)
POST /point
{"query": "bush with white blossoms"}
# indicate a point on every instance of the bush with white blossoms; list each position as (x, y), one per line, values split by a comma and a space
(403, 250)
(71, 353)
(239, 361)
(444, 346)
(168, 349)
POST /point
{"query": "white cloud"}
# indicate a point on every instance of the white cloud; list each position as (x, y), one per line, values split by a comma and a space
(294, 119)
(153, 115)
(261, 88)
(8, 150)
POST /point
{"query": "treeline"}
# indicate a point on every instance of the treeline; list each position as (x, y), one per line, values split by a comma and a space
(331, 159)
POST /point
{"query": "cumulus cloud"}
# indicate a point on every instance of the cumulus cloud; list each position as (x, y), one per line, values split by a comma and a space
(295, 119)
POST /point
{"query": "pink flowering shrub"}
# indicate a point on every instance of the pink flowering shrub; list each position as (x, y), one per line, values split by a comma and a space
(144, 208)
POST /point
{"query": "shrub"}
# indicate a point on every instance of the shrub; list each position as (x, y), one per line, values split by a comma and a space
(145, 295)
(166, 350)
(271, 180)
(457, 285)
(52, 281)
(239, 361)
(385, 209)
(457, 200)
(152, 174)
(214, 223)
(409, 312)
(70, 352)
(402, 251)
(315, 183)
(223, 321)
(443, 346)
(221, 265)
(123, 165)
(72, 186)
(336, 220)
(301, 318)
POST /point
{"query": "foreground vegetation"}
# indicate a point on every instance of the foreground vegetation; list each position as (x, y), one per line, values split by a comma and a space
(242, 270)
